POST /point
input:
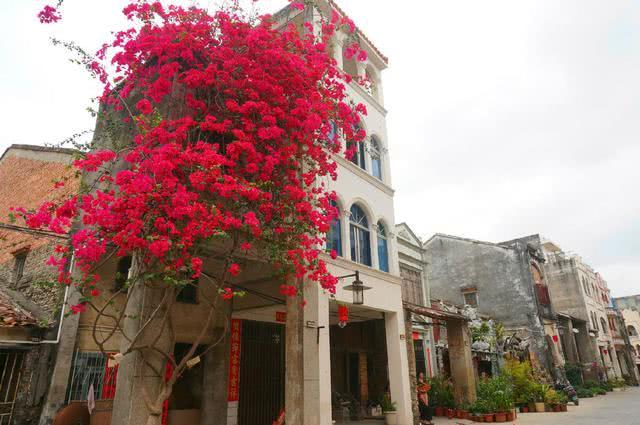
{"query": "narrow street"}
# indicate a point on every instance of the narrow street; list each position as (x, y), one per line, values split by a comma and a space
(620, 408)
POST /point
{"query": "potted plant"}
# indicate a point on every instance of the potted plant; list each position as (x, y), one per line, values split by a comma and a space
(478, 409)
(538, 392)
(389, 410)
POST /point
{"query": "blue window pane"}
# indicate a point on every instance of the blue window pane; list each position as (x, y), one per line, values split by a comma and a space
(383, 258)
(334, 240)
(376, 166)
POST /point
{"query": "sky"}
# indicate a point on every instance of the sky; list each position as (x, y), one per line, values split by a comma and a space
(506, 118)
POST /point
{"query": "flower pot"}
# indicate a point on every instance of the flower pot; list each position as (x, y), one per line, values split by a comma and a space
(451, 413)
(439, 411)
(511, 416)
(501, 417)
(563, 407)
(556, 408)
(524, 409)
(488, 417)
(476, 418)
(390, 418)
(539, 407)
(464, 414)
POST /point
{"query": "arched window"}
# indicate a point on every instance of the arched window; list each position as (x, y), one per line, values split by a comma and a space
(594, 321)
(376, 158)
(359, 236)
(349, 64)
(632, 331)
(334, 236)
(358, 157)
(383, 251)
(603, 325)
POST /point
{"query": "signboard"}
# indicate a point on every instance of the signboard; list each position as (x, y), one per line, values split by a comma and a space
(234, 360)
(281, 316)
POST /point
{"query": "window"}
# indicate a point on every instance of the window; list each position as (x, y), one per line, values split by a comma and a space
(18, 266)
(333, 132)
(594, 321)
(359, 237)
(632, 331)
(122, 273)
(470, 298)
(358, 157)
(189, 293)
(376, 158)
(383, 256)
(92, 368)
(334, 236)
(603, 325)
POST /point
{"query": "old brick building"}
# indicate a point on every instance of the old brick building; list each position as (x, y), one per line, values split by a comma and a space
(29, 308)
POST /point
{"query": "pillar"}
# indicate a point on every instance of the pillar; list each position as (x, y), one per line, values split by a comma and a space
(411, 359)
(614, 359)
(294, 360)
(64, 360)
(215, 380)
(134, 375)
(398, 366)
(461, 362)
(317, 357)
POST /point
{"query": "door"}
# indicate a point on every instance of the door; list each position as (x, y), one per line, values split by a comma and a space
(261, 373)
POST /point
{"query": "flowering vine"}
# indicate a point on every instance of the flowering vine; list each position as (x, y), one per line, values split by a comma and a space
(213, 128)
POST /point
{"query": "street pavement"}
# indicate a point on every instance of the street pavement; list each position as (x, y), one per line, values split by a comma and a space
(619, 408)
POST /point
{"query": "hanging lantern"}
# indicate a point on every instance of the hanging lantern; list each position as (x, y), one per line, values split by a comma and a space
(555, 338)
(343, 315)
(358, 289)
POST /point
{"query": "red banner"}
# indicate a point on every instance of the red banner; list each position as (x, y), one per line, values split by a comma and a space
(234, 360)
(281, 316)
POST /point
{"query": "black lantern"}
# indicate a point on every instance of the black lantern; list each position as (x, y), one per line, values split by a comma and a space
(357, 287)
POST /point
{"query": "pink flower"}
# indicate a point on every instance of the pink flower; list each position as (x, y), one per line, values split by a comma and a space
(245, 246)
(334, 254)
(48, 15)
(234, 269)
(144, 106)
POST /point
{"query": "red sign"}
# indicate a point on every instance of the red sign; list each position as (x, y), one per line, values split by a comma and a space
(281, 316)
(234, 360)
(415, 336)
(555, 338)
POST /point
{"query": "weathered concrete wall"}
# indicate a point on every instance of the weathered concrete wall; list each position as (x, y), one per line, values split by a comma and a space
(565, 287)
(501, 276)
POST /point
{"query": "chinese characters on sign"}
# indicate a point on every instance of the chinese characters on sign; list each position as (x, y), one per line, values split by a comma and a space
(234, 360)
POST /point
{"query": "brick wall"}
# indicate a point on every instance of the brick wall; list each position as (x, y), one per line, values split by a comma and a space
(27, 174)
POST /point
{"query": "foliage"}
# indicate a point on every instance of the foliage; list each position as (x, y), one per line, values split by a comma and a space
(538, 392)
(497, 393)
(213, 130)
(480, 406)
(522, 379)
(590, 383)
(387, 404)
(573, 372)
(441, 392)
(599, 391)
(617, 383)
(553, 397)
(583, 392)
(481, 331)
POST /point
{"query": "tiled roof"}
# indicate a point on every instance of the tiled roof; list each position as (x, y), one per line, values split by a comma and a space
(12, 314)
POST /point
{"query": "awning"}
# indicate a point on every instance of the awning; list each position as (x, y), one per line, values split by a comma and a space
(433, 313)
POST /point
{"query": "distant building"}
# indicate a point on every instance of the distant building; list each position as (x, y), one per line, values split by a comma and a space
(30, 310)
(583, 298)
(505, 281)
(631, 315)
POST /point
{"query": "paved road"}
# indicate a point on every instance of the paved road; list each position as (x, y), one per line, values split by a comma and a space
(619, 408)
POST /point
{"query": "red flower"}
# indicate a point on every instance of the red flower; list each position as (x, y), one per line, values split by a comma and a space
(48, 15)
(334, 254)
(144, 106)
(234, 269)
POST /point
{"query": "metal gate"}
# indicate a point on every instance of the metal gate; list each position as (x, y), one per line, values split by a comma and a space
(10, 368)
(261, 373)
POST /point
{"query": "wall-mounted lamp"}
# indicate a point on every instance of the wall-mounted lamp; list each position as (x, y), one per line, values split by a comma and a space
(357, 287)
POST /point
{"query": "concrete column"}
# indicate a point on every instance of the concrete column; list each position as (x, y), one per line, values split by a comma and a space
(64, 360)
(614, 360)
(294, 361)
(464, 383)
(317, 357)
(411, 359)
(215, 379)
(398, 366)
(134, 375)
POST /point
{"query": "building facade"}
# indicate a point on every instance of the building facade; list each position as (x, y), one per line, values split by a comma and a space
(583, 297)
(30, 309)
(341, 369)
(504, 281)
(628, 308)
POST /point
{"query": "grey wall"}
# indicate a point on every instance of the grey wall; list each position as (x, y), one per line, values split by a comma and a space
(565, 287)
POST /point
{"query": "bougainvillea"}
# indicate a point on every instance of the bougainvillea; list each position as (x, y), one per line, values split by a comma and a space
(213, 127)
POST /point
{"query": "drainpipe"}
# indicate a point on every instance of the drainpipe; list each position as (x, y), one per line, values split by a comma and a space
(48, 341)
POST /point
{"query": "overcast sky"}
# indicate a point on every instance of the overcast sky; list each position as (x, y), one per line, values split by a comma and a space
(506, 118)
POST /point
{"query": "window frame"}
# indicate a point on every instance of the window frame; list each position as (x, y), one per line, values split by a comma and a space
(383, 244)
(357, 228)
